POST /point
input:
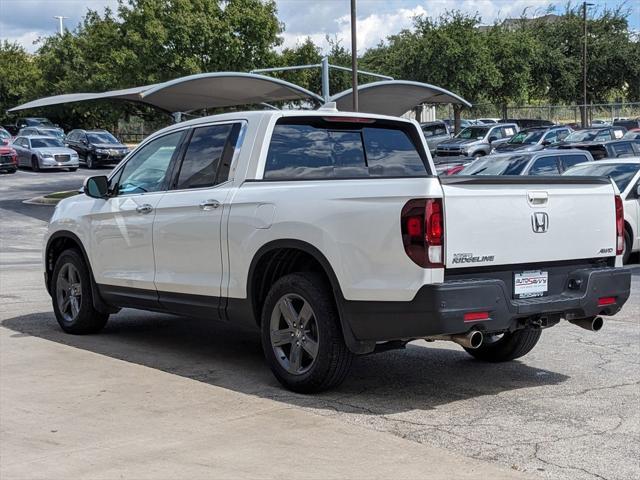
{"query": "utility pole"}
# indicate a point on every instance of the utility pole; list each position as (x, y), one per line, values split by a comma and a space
(354, 57)
(60, 19)
(585, 119)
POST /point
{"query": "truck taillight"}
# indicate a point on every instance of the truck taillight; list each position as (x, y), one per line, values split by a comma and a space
(422, 225)
(619, 226)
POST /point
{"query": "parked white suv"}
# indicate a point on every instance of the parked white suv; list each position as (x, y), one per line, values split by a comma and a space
(331, 232)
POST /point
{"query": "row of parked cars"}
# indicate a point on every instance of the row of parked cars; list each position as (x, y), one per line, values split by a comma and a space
(506, 149)
(42, 145)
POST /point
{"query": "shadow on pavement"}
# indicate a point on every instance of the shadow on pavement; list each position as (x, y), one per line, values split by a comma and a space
(417, 378)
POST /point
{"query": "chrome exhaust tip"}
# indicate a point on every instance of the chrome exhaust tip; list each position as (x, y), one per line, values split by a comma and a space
(472, 339)
(593, 324)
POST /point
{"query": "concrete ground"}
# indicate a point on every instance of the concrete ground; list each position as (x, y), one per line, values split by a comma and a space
(157, 396)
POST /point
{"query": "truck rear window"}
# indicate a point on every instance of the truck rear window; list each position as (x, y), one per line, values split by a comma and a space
(314, 149)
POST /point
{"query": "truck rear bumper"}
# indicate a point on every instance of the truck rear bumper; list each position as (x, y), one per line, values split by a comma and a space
(440, 309)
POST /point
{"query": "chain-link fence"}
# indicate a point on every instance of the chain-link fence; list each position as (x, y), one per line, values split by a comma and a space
(569, 114)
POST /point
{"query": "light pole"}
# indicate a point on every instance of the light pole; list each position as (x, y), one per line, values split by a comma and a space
(354, 57)
(585, 119)
(60, 18)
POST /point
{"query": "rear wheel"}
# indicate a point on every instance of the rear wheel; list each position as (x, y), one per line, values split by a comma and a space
(507, 346)
(35, 165)
(626, 253)
(72, 296)
(301, 335)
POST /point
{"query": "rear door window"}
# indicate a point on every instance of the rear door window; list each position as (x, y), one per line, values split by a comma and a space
(318, 149)
(545, 166)
(508, 132)
(568, 161)
(622, 149)
(202, 158)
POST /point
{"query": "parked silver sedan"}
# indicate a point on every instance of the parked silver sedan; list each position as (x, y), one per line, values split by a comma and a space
(39, 152)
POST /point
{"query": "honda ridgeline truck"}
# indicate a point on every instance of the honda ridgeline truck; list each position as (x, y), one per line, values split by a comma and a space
(332, 234)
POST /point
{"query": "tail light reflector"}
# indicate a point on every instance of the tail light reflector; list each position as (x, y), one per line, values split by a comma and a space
(602, 301)
(476, 316)
(619, 226)
(422, 225)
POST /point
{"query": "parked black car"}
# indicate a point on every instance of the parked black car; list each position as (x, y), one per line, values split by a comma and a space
(24, 122)
(96, 147)
(532, 139)
(628, 124)
(608, 149)
(528, 122)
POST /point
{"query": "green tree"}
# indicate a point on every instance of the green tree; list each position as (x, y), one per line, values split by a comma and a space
(18, 76)
(559, 66)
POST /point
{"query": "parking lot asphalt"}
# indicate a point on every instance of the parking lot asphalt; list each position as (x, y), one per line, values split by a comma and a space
(156, 395)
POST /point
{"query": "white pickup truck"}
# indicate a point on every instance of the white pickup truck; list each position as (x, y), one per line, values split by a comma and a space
(331, 233)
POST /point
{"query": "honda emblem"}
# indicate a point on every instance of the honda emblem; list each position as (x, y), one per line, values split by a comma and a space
(540, 222)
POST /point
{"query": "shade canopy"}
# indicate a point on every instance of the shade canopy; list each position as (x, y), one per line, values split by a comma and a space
(195, 92)
(395, 97)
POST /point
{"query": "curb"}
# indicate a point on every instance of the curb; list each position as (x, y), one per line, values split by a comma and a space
(42, 201)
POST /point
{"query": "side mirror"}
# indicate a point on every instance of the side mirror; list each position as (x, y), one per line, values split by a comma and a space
(638, 190)
(492, 139)
(546, 143)
(96, 187)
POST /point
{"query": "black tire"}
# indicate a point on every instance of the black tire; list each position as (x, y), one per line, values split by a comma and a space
(509, 347)
(91, 163)
(35, 165)
(626, 255)
(333, 359)
(88, 319)
(73, 169)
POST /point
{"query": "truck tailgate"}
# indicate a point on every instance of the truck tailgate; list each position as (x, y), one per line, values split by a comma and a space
(522, 220)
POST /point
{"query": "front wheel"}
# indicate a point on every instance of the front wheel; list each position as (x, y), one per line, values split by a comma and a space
(91, 163)
(507, 346)
(72, 296)
(35, 164)
(301, 335)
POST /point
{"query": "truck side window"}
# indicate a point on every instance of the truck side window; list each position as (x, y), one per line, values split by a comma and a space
(571, 160)
(202, 158)
(545, 166)
(622, 149)
(322, 150)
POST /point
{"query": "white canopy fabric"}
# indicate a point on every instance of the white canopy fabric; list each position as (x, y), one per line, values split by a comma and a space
(395, 97)
(194, 92)
(126, 94)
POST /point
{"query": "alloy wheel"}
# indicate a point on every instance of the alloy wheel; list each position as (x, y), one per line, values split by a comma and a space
(294, 334)
(69, 292)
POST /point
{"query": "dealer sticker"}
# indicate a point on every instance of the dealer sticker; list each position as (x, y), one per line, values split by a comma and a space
(530, 284)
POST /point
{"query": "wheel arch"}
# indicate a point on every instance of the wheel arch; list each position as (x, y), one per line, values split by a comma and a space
(57, 243)
(281, 257)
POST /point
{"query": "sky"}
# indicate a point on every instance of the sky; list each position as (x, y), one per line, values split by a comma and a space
(24, 21)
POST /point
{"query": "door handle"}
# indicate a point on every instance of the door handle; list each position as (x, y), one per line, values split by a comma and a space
(144, 208)
(537, 198)
(209, 204)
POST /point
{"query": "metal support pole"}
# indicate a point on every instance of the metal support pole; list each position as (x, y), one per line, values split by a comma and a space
(354, 57)
(326, 93)
(585, 120)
